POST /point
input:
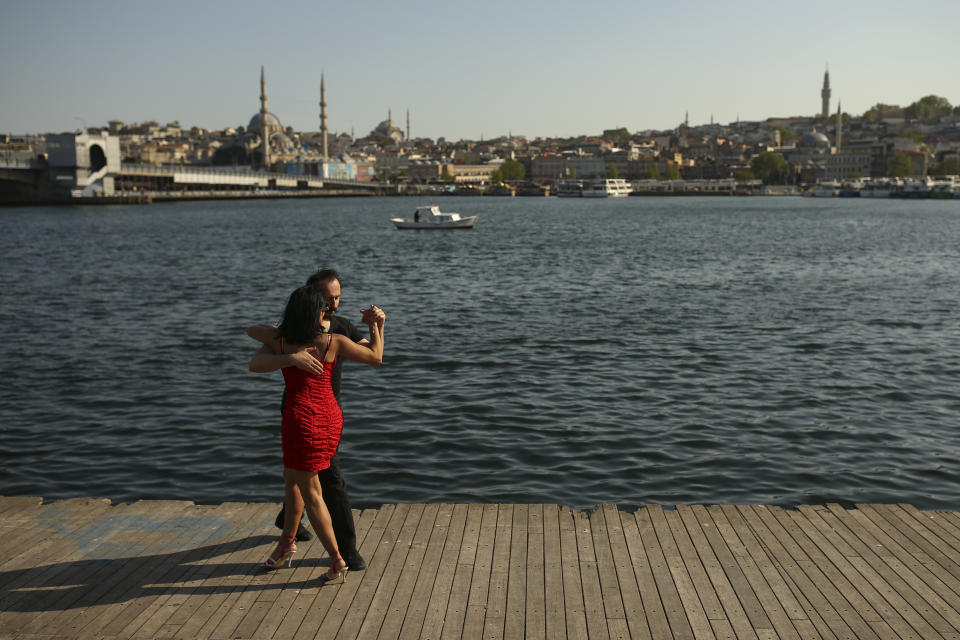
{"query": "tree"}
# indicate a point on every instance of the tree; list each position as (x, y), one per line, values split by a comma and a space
(612, 171)
(743, 175)
(512, 170)
(771, 168)
(654, 172)
(928, 108)
(445, 175)
(900, 166)
(673, 172)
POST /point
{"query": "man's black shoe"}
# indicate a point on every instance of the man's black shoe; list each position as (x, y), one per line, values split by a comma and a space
(303, 534)
(355, 562)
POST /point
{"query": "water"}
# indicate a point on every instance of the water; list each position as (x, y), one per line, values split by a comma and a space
(670, 350)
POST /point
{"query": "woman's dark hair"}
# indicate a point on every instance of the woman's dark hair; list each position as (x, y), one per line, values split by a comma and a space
(301, 317)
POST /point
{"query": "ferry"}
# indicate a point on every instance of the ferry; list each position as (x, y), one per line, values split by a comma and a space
(569, 189)
(609, 188)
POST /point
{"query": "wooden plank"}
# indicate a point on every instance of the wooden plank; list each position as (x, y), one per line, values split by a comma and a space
(112, 559)
(535, 623)
(653, 607)
(307, 599)
(367, 606)
(576, 617)
(912, 564)
(734, 574)
(870, 565)
(669, 596)
(376, 613)
(444, 585)
(327, 606)
(429, 577)
(493, 622)
(733, 611)
(555, 626)
(612, 601)
(62, 535)
(856, 589)
(231, 599)
(264, 586)
(291, 605)
(590, 578)
(770, 576)
(199, 543)
(515, 618)
(29, 589)
(219, 579)
(681, 574)
(472, 623)
(929, 534)
(189, 590)
(399, 605)
(824, 606)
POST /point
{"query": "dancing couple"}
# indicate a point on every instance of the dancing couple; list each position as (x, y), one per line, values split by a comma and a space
(309, 346)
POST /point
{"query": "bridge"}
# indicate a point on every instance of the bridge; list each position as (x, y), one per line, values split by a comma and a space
(27, 182)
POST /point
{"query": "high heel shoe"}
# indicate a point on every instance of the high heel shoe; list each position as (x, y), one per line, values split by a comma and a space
(286, 553)
(338, 569)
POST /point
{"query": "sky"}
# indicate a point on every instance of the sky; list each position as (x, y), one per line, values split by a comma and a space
(465, 70)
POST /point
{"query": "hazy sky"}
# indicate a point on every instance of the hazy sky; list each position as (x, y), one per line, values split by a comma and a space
(465, 70)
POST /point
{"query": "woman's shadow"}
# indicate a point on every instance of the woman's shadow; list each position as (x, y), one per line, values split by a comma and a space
(125, 557)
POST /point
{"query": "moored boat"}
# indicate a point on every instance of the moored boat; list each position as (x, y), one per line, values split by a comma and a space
(609, 188)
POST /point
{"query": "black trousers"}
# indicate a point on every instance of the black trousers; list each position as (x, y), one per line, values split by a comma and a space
(338, 504)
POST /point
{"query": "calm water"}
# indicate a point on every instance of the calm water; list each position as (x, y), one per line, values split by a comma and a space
(671, 350)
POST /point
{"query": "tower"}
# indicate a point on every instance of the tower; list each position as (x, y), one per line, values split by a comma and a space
(265, 133)
(839, 127)
(825, 95)
(323, 114)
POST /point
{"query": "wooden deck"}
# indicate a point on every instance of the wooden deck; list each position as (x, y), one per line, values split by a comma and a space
(158, 569)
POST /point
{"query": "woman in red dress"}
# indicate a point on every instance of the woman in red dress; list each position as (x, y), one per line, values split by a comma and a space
(312, 420)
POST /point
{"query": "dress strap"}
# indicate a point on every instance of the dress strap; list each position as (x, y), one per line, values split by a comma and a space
(327, 348)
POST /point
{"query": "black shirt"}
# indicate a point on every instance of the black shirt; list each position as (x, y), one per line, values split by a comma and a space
(341, 325)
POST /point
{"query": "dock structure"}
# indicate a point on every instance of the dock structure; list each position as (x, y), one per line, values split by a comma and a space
(86, 568)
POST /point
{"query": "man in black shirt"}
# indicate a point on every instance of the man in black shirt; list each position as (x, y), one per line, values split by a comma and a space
(331, 479)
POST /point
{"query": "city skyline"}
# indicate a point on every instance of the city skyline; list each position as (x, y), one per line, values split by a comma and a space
(537, 69)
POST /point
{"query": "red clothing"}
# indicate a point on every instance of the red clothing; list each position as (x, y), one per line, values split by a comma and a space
(312, 421)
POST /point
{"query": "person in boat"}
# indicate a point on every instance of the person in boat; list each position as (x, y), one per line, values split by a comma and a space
(332, 483)
(416, 215)
(312, 420)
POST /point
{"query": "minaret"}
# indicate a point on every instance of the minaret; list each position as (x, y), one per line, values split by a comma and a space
(323, 115)
(825, 95)
(839, 127)
(263, 119)
(408, 125)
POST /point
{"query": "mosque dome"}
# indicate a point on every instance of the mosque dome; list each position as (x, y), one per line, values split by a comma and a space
(814, 140)
(388, 129)
(256, 122)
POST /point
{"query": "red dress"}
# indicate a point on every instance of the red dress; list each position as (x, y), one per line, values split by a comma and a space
(312, 420)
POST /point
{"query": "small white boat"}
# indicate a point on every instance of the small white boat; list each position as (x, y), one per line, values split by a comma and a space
(430, 217)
